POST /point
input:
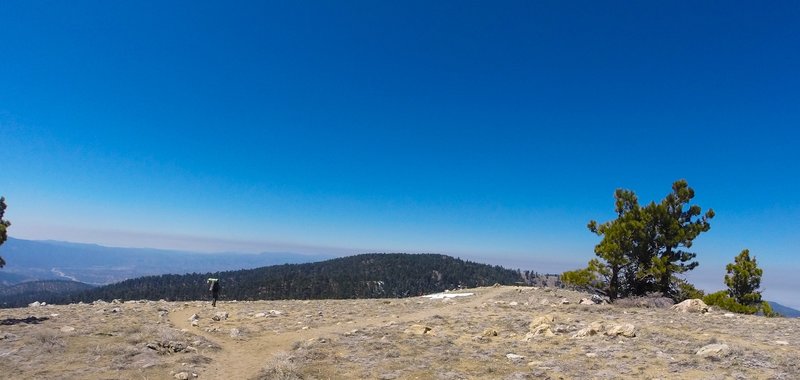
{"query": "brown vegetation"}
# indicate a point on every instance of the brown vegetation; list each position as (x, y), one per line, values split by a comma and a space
(489, 335)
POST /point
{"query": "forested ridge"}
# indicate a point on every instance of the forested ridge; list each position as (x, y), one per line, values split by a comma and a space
(27, 292)
(361, 276)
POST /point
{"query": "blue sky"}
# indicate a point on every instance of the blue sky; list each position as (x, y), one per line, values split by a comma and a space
(485, 131)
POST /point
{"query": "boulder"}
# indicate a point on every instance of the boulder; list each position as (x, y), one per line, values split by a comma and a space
(35, 304)
(691, 306)
(489, 332)
(593, 329)
(541, 320)
(713, 350)
(543, 329)
(418, 330)
(220, 316)
(626, 330)
(515, 358)
(586, 301)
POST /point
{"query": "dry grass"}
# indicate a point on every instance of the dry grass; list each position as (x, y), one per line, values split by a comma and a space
(468, 338)
(282, 366)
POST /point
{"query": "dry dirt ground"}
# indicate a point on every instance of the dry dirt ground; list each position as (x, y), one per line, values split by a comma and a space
(497, 333)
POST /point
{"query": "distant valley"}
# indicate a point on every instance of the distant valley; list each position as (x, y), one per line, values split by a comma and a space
(32, 260)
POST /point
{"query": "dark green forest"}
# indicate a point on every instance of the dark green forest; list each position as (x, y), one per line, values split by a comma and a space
(27, 292)
(362, 276)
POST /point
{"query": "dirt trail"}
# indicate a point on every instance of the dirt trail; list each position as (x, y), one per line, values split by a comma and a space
(244, 358)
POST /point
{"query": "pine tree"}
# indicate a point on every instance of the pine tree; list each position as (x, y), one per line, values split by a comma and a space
(4, 224)
(618, 242)
(677, 226)
(744, 279)
(644, 248)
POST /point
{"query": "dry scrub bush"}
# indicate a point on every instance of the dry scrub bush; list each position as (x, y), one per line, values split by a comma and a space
(282, 366)
(50, 341)
(125, 358)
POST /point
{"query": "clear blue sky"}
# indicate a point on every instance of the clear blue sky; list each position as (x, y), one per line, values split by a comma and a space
(481, 130)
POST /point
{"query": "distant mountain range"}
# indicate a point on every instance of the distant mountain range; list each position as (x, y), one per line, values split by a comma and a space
(33, 260)
(785, 311)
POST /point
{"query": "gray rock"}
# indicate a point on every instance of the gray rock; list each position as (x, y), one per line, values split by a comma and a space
(716, 349)
(543, 329)
(593, 329)
(8, 336)
(691, 306)
(418, 330)
(626, 330)
(541, 320)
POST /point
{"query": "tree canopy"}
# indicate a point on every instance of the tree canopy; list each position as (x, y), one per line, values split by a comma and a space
(744, 279)
(4, 224)
(645, 247)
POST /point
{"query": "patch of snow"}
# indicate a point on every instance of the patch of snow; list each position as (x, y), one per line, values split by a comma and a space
(448, 295)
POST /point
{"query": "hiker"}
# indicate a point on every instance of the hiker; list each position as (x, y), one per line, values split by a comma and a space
(214, 288)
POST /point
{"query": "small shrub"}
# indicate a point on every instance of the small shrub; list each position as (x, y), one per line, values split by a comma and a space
(766, 309)
(50, 341)
(723, 300)
(280, 367)
(686, 291)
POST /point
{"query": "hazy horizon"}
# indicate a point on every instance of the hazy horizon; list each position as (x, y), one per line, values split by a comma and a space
(708, 279)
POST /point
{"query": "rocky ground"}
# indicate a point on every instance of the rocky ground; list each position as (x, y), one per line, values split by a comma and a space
(495, 333)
